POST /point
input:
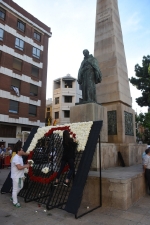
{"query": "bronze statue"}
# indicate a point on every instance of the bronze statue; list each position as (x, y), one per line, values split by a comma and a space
(89, 74)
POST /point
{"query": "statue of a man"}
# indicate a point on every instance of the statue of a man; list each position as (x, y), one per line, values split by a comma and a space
(89, 74)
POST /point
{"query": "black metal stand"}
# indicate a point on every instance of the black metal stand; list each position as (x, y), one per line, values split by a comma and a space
(100, 190)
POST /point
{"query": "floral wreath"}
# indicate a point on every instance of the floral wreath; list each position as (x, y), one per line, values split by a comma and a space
(74, 131)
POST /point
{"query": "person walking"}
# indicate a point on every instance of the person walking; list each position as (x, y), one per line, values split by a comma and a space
(17, 174)
(68, 156)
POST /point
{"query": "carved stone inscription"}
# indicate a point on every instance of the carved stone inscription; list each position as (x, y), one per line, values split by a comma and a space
(112, 122)
(104, 16)
(128, 118)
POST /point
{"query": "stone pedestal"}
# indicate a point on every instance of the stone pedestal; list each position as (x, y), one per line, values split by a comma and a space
(121, 187)
(90, 112)
(131, 153)
(109, 156)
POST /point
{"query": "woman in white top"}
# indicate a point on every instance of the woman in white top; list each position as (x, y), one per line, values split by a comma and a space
(147, 168)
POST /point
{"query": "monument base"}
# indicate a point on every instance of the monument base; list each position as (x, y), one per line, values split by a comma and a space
(121, 187)
(90, 112)
(131, 153)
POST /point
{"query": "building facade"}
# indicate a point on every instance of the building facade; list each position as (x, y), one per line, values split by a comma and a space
(23, 71)
(66, 92)
(48, 112)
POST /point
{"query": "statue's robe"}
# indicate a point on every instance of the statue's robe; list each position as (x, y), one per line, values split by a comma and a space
(89, 74)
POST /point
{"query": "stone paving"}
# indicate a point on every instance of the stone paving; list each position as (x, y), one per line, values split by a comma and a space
(31, 214)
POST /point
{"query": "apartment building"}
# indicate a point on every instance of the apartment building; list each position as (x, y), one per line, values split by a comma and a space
(23, 71)
(66, 92)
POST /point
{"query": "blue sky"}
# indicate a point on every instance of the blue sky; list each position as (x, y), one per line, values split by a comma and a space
(72, 24)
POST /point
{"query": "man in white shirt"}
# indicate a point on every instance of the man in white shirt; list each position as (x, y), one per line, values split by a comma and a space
(17, 174)
(147, 168)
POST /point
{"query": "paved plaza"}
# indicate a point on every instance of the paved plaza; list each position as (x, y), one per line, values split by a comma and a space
(32, 214)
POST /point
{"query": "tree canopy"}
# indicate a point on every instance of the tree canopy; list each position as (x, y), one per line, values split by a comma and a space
(143, 119)
(142, 81)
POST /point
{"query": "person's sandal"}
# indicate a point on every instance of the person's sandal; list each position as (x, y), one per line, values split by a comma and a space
(11, 199)
(17, 205)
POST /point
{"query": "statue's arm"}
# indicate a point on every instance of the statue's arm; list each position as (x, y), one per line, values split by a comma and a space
(80, 74)
(79, 78)
(98, 74)
(98, 77)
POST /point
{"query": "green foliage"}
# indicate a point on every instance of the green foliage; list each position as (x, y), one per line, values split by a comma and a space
(143, 119)
(142, 81)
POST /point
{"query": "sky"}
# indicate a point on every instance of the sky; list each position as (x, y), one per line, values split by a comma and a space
(72, 24)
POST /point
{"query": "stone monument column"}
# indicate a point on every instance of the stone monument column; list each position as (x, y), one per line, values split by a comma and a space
(113, 92)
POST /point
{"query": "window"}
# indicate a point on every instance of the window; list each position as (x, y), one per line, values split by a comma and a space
(7, 131)
(32, 110)
(17, 64)
(19, 44)
(56, 115)
(48, 108)
(33, 90)
(2, 14)
(66, 113)
(15, 85)
(57, 100)
(35, 71)
(15, 82)
(37, 36)
(1, 34)
(68, 84)
(21, 25)
(48, 115)
(26, 129)
(36, 52)
(68, 98)
(13, 106)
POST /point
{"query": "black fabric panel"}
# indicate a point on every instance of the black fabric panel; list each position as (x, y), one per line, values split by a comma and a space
(28, 142)
(75, 196)
(29, 139)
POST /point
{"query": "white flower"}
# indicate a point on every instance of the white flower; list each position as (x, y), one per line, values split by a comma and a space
(45, 170)
(81, 130)
(31, 162)
(26, 170)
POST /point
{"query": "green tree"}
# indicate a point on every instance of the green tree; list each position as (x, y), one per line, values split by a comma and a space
(143, 119)
(142, 82)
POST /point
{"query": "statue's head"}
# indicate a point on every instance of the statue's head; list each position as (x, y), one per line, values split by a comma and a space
(85, 52)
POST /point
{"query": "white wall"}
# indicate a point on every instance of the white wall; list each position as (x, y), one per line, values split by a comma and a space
(61, 92)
